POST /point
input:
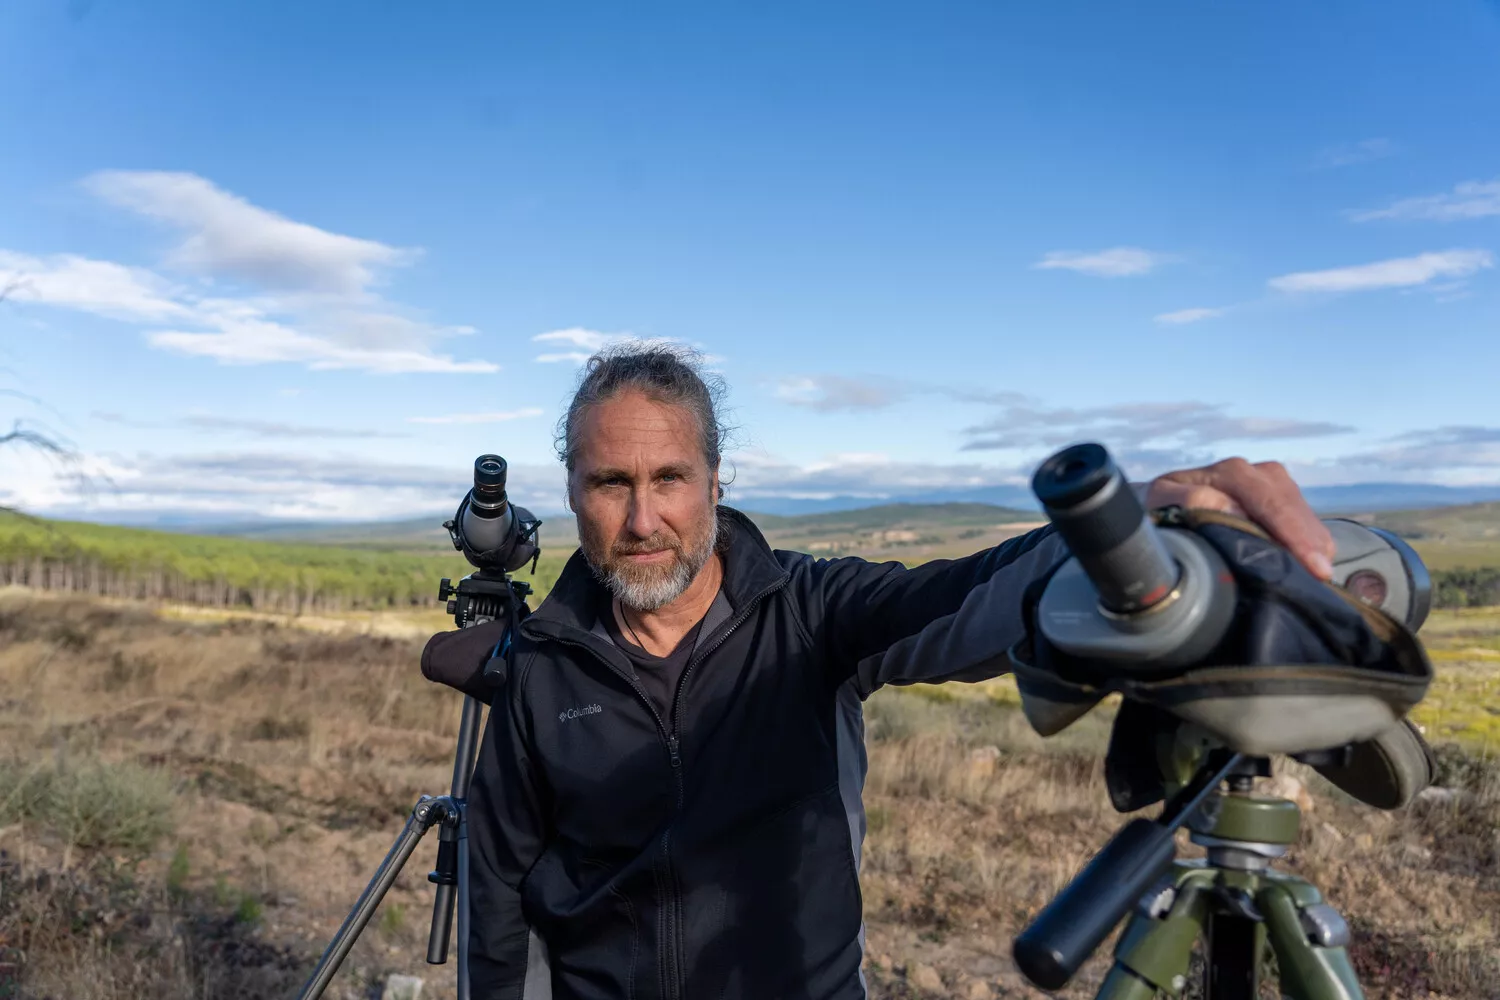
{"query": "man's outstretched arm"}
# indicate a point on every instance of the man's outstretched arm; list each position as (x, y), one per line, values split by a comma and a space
(867, 615)
(954, 619)
(506, 835)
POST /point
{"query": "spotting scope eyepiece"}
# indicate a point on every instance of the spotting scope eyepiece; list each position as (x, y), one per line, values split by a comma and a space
(489, 481)
(1097, 513)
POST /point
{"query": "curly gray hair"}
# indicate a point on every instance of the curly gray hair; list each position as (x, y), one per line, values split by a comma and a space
(669, 374)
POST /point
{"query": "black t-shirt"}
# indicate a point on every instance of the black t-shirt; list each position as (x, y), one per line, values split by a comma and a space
(657, 674)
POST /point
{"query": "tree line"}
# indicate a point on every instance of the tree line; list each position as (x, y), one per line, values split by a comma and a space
(214, 571)
(1466, 588)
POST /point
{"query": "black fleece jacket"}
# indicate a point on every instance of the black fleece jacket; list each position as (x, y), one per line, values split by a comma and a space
(711, 851)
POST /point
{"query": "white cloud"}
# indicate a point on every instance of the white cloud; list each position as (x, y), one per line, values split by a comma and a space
(478, 418)
(1350, 153)
(829, 393)
(1402, 272)
(225, 234)
(248, 338)
(1116, 262)
(1469, 200)
(99, 287)
(239, 425)
(311, 304)
(1185, 429)
(1189, 315)
(587, 342)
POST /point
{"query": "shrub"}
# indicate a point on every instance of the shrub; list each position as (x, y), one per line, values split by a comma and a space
(90, 803)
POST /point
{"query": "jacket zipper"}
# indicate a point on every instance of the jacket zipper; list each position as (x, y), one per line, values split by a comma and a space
(673, 936)
(679, 983)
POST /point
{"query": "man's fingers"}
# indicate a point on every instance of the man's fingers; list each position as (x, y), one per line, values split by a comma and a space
(1267, 495)
(1208, 498)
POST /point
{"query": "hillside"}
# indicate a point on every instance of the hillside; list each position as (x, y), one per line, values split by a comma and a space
(905, 531)
(1447, 538)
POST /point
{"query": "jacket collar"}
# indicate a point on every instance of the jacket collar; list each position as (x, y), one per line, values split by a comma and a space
(750, 570)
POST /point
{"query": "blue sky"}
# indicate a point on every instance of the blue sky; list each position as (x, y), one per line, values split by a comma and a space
(302, 259)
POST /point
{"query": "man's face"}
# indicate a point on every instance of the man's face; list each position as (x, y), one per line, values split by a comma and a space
(644, 498)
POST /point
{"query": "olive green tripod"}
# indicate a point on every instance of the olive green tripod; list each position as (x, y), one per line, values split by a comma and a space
(1232, 901)
(1237, 905)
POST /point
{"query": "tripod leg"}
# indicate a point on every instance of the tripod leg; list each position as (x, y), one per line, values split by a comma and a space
(451, 876)
(1309, 938)
(427, 811)
(463, 901)
(1235, 944)
(1154, 951)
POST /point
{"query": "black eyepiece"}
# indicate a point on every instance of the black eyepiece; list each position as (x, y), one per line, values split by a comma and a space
(489, 480)
(1072, 476)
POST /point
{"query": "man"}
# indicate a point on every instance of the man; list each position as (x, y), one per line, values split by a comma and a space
(667, 801)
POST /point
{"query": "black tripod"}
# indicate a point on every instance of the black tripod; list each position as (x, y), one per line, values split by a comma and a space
(487, 595)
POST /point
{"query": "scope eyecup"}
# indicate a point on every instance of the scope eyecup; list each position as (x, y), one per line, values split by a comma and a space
(489, 484)
(1051, 950)
(1086, 497)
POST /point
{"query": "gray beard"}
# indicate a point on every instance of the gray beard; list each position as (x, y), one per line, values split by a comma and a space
(662, 587)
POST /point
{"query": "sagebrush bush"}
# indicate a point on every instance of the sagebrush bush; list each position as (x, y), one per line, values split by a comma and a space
(90, 803)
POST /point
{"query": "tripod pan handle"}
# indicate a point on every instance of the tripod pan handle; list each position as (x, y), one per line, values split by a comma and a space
(1050, 951)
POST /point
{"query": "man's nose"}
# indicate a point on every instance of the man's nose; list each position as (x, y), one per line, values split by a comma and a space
(643, 520)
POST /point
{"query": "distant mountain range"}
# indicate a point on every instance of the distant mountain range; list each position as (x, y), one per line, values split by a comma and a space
(557, 525)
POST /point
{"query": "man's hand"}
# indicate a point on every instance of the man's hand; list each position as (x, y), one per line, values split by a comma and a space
(1263, 493)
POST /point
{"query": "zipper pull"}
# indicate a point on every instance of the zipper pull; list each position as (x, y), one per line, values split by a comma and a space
(672, 749)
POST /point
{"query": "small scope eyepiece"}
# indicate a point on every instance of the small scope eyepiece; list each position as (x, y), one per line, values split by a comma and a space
(1086, 496)
(489, 481)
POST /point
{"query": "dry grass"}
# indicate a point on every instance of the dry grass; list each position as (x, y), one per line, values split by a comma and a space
(290, 758)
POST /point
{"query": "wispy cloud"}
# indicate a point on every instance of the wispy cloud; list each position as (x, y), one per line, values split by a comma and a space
(270, 484)
(584, 342)
(1402, 272)
(1469, 200)
(831, 393)
(1348, 154)
(281, 291)
(1452, 447)
(1189, 315)
(226, 235)
(1116, 262)
(255, 428)
(1184, 430)
(478, 418)
(101, 287)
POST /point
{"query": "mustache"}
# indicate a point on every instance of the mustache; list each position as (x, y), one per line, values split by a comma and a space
(644, 546)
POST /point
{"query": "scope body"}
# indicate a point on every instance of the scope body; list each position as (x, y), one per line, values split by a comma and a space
(1155, 599)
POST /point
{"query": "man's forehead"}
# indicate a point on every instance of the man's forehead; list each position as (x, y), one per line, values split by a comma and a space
(641, 425)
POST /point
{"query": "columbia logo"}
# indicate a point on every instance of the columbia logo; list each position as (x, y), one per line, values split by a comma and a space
(574, 713)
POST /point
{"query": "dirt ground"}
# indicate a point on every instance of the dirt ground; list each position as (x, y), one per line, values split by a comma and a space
(253, 776)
